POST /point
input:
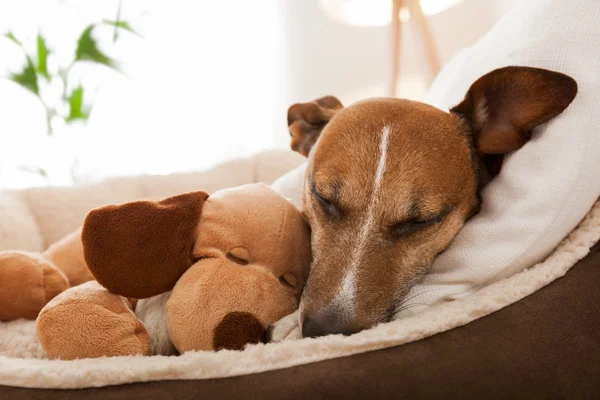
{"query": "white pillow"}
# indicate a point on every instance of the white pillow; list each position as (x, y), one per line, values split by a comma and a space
(290, 185)
(546, 187)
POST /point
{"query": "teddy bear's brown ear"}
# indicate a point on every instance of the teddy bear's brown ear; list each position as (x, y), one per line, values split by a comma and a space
(140, 249)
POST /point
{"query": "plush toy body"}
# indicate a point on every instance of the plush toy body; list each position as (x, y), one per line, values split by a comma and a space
(211, 272)
(29, 280)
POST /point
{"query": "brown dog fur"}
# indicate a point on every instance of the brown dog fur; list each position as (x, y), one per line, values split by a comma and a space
(390, 182)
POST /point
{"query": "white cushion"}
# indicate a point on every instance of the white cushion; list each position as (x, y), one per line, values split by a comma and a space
(546, 187)
(290, 185)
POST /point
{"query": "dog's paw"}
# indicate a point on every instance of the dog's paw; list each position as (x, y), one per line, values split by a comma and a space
(287, 328)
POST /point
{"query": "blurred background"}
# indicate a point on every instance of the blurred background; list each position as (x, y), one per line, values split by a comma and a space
(97, 88)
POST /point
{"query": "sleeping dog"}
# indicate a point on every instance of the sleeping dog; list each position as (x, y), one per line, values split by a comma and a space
(390, 182)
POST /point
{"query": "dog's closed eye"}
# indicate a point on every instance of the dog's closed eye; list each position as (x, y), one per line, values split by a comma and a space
(329, 207)
(412, 225)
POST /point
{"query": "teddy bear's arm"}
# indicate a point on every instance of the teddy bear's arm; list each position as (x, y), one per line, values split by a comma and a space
(29, 280)
(87, 321)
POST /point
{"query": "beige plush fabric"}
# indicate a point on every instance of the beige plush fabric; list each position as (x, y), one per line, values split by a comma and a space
(116, 331)
(44, 215)
(21, 358)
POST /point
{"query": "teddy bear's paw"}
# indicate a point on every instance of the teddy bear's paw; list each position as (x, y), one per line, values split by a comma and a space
(27, 282)
(88, 321)
(287, 328)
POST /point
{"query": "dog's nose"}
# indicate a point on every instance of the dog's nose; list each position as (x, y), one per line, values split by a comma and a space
(320, 324)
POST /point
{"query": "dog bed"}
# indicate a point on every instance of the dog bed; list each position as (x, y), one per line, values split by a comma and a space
(48, 216)
(546, 346)
(525, 336)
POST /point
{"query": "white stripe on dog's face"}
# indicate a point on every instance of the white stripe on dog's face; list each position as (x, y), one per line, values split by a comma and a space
(344, 300)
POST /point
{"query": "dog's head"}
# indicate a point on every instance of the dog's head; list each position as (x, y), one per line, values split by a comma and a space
(390, 182)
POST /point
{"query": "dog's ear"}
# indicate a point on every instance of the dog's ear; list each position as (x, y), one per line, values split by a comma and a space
(140, 249)
(503, 106)
(307, 120)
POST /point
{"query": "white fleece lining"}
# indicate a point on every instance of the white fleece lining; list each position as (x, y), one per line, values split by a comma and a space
(41, 373)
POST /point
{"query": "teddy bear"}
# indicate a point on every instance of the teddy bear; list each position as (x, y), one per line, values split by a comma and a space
(191, 272)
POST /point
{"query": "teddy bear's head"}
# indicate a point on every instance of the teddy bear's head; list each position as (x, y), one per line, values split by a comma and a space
(236, 261)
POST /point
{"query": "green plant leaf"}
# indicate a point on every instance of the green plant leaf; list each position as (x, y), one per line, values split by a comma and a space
(34, 170)
(42, 57)
(87, 50)
(124, 25)
(77, 109)
(119, 24)
(117, 20)
(12, 37)
(27, 78)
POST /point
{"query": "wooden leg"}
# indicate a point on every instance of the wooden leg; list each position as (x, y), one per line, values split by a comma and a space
(396, 42)
(422, 22)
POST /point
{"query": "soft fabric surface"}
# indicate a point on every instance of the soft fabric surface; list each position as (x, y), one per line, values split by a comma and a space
(546, 346)
(17, 338)
(291, 184)
(555, 205)
(44, 215)
(545, 188)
